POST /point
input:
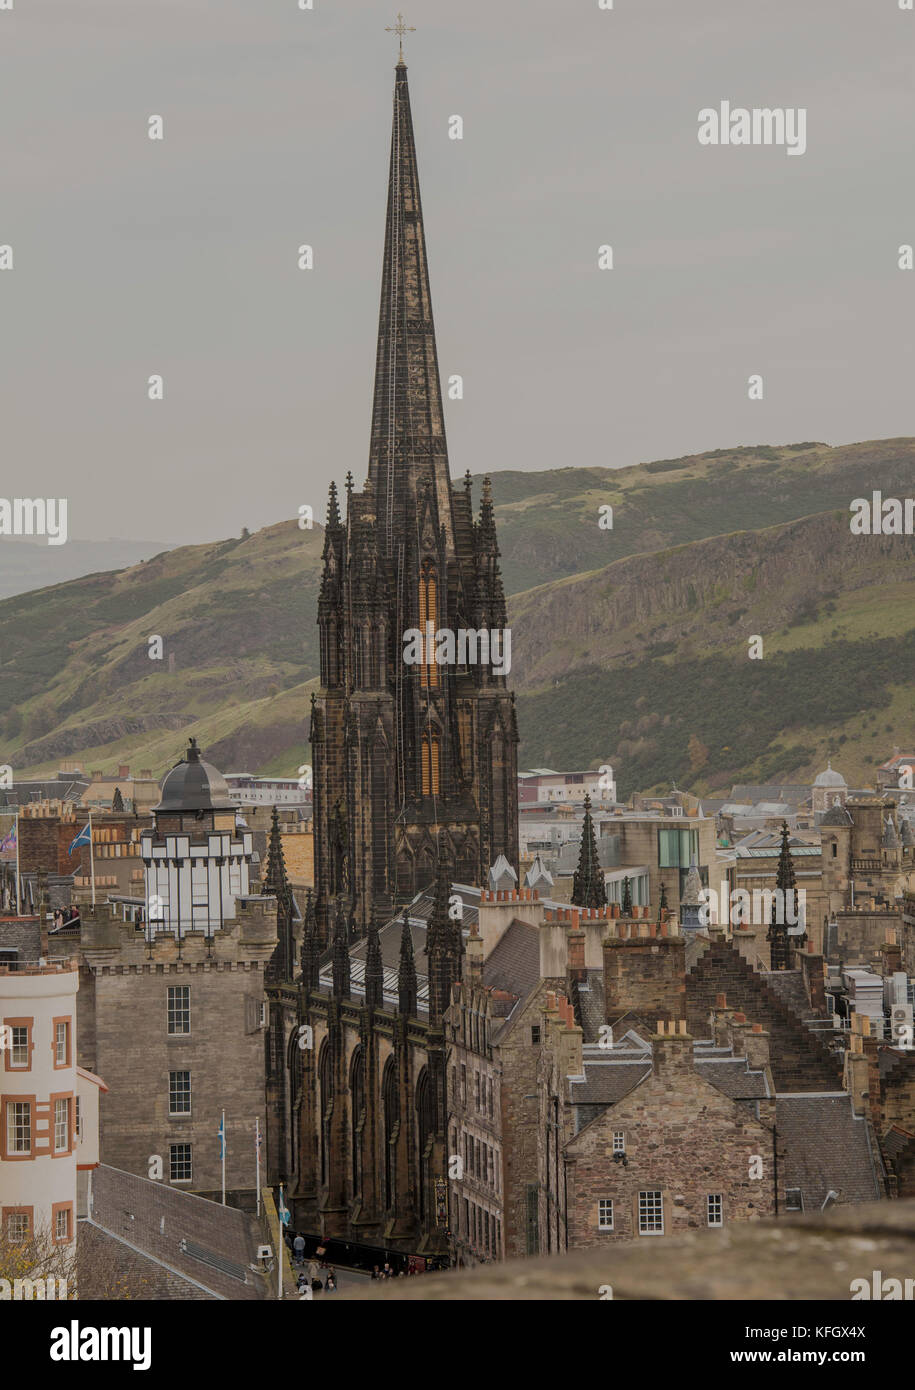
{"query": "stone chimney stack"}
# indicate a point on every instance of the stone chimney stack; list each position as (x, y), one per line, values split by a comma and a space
(553, 950)
(720, 1020)
(749, 1040)
(671, 1050)
(892, 954)
(855, 1078)
(571, 1056)
(474, 954)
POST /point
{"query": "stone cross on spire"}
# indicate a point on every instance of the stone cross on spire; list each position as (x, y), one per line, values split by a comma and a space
(399, 29)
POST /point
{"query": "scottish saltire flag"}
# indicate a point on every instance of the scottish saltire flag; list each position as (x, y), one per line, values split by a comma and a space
(221, 1131)
(81, 839)
(8, 844)
(284, 1211)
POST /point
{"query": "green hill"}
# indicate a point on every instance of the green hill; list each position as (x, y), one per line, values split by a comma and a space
(632, 647)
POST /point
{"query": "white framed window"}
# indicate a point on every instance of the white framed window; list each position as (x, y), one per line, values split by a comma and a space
(19, 1047)
(651, 1213)
(62, 1224)
(179, 1093)
(62, 1043)
(179, 1162)
(79, 1119)
(18, 1227)
(179, 1009)
(158, 910)
(605, 1214)
(714, 1204)
(19, 1126)
(199, 890)
(619, 1141)
(61, 1125)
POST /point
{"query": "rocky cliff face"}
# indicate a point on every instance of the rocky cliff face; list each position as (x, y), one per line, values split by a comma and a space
(709, 595)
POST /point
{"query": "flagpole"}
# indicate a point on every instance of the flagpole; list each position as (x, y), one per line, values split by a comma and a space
(18, 895)
(279, 1251)
(223, 1158)
(257, 1149)
(91, 861)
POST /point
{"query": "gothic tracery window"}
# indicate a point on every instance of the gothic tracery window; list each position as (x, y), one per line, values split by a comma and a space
(428, 613)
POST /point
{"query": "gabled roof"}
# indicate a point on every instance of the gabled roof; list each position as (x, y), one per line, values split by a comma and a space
(512, 969)
(826, 1149)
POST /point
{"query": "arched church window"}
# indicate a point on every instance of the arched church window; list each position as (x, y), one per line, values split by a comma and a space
(431, 763)
(326, 1086)
(390, 1108)
(428, 613)
(357, 1098)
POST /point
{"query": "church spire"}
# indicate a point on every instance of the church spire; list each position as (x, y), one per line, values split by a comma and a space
(276, 880)
(440, 945)
(408, 423)
(374, 967)
(588, 887)
(406, 974)
(341, 961)
(784, 907)
(310, 950)
(333, 508)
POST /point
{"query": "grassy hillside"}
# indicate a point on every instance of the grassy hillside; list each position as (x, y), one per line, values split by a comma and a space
(548, 522)
(237, 623)
(632, 646)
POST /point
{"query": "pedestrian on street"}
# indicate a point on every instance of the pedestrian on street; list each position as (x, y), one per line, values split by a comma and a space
(298, 1246)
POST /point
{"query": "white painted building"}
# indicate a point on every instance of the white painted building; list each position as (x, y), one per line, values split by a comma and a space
(266, 791)
(542, 785)
(49, 1107)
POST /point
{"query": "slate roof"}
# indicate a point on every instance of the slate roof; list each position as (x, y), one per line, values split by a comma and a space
(770, 791)
(513, 968)
(591, 1002)
(826, 1148)
(895, 1141)
(608, 1081)
(611, 1076)
(732, 1077)
(150, 1220)
(418, 914)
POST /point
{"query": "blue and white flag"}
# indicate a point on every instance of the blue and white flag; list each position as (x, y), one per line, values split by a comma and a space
(283, 1211)
(222, 1137)
(83, 838)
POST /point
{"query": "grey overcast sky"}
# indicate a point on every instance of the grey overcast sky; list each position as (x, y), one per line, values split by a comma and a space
(580, 128)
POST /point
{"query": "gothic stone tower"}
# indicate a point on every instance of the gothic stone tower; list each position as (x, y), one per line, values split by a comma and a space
(407, 756)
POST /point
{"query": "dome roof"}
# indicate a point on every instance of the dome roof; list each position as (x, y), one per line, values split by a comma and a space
(830, 778)
(195, 785)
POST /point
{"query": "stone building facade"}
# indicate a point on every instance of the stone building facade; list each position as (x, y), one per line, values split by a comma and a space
(673, 1154)
(177, 1030)
(173, 1006)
